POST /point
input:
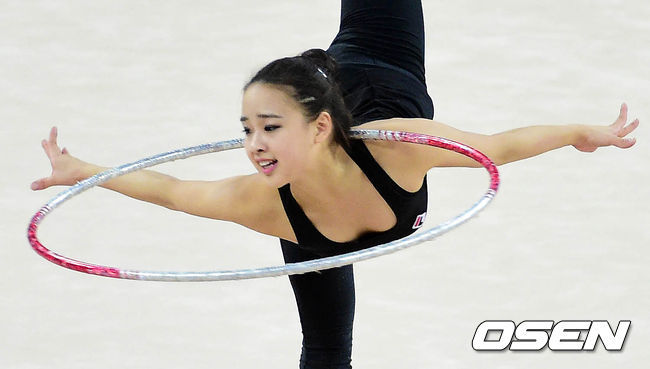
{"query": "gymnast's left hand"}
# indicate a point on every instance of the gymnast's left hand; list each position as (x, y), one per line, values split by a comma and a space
(590, 138)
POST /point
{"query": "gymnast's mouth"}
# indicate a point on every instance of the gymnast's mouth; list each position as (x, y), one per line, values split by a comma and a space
(267, 165)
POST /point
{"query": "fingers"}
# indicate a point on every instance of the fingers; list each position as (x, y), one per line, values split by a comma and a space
(46, 147)
(52, 151)
(620, 128)
(621, 141)
(622, 116)
(50, 146)
(53, 134)
(624, 143)
(50, 141)
(40, 184)
(629, 128)
(53, 145)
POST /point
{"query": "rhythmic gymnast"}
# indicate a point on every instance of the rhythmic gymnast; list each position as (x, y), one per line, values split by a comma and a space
(321, 193)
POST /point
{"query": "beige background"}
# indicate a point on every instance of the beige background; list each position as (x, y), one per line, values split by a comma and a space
(566, 238)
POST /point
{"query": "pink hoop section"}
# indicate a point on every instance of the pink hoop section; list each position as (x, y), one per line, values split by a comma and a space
(273, 271)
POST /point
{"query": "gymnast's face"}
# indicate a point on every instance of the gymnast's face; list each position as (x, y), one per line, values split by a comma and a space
(278, 139)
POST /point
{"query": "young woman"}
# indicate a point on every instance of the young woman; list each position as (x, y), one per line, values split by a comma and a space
(321, 193)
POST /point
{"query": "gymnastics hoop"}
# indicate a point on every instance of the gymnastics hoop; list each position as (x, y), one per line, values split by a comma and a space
(273, 271)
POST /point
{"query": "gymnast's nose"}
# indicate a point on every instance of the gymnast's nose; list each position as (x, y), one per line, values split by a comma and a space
(256, 142)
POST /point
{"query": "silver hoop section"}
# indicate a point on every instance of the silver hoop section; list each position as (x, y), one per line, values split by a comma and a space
(273, 271)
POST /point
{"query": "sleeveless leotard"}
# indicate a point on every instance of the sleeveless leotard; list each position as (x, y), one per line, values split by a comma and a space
(409, 208)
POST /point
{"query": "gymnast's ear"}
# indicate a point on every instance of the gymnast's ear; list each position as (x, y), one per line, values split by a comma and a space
(324, 127)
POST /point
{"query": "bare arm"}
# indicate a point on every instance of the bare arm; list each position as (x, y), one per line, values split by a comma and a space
(246, 200)
(509, 146)
(147, 186)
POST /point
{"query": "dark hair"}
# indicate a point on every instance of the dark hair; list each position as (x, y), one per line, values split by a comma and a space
(310, 79)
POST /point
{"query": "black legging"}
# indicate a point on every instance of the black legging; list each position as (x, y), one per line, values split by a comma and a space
(325, 302)
(385, 34)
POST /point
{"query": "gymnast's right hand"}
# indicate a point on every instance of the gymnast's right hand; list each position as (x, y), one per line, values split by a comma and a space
(66, 169)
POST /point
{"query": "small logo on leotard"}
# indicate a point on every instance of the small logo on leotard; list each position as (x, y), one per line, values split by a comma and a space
(419, 221)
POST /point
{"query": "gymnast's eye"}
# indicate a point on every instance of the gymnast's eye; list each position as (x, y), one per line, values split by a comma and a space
(246, 131)
(271, 127)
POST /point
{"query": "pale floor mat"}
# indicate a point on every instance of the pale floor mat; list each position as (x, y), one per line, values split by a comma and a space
(566, 238)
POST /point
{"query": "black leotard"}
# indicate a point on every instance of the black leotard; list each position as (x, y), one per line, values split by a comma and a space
(380, 51)
(408, 207)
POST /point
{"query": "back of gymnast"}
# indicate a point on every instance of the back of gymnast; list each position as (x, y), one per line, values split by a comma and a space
(318, 191)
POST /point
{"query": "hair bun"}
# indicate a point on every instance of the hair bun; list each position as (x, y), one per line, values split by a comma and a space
(322, 60)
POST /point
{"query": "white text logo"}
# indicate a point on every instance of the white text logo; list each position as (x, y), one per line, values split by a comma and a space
(534, 335)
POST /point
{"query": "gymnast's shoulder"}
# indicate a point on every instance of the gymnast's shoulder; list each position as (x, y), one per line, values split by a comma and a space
(248, 200)
(420, 158)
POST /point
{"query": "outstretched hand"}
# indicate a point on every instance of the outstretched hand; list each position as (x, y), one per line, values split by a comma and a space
(593, 137)
(65, 168)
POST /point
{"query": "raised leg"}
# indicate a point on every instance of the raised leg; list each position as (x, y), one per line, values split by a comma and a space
(389, 30)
